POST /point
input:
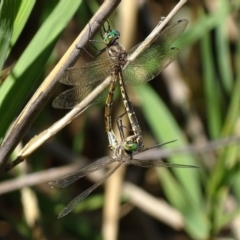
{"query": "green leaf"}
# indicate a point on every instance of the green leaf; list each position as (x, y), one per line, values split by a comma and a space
(166, 129)
(184, 190)
(223, 49)
(23, 10)
(25, 75)
(7, 14)
(212, 100)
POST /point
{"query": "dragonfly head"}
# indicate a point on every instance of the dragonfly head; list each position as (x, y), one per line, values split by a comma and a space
(130, 146)
(133, 143)
(110, 37)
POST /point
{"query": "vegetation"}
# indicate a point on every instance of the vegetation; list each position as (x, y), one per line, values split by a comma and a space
(195, 100)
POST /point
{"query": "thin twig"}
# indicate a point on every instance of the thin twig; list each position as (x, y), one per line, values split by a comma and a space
(37, 178)
(189, 149)
(157, 208)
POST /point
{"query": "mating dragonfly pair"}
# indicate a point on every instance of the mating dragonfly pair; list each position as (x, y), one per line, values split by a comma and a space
(147, 65)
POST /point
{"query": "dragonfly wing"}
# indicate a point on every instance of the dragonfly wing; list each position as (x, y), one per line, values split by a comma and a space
(158, 163)
(70, 178)
(167, 36)
(172, 32)
(83, 195)
(149, 66)
(70, 98)
(154, 58)
(86, 74)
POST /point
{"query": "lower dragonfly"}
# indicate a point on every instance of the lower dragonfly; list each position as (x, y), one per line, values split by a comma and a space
(122, 153)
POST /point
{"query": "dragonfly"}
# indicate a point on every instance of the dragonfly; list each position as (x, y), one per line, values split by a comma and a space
(124, 151)
(120, 156)
(146, 66)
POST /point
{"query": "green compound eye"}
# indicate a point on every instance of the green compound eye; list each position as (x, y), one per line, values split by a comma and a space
(130, 146)
(110, 36)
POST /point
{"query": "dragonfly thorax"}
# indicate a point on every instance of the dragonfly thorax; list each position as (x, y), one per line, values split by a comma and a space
(118, 55)
(121, 154)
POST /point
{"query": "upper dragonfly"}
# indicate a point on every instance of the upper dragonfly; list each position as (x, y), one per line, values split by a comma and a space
(147, 65)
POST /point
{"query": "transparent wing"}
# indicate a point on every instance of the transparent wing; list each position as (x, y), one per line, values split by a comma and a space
(83, 195)
(158, 163)
(72, 177)
(145, 69)
(70, 98)
(89, 73)
(86, 78)
(156, 57)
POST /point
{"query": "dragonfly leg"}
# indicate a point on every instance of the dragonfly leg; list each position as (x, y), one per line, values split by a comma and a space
(130, 143)
(103, 32)
(120, 125)
(88, 53)
(104, 29)
(90, 41)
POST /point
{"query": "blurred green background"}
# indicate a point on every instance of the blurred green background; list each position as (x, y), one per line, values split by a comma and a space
(195, 100)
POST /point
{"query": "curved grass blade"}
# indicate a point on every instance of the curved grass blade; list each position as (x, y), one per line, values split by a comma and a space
(7, 15)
